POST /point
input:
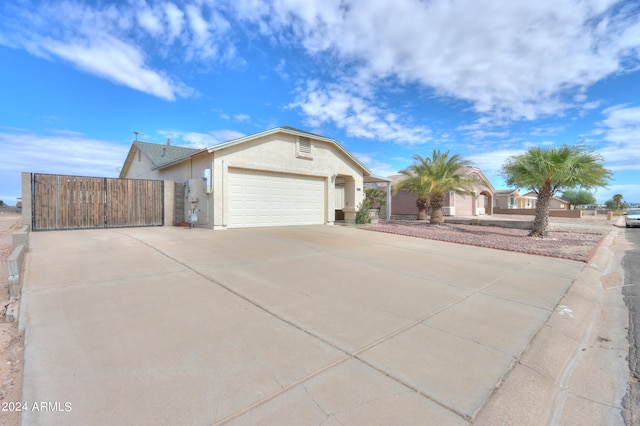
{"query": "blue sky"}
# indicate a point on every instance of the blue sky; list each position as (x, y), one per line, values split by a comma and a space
(485, 79)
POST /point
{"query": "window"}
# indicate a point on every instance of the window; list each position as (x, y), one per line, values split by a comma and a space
(303, 147)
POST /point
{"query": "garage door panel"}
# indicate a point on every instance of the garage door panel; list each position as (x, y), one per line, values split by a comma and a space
(272, 199)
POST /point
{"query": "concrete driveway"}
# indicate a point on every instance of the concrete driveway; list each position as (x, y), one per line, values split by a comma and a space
(296, 325)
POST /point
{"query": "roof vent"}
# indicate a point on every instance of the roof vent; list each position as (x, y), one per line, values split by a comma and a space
(164, 152)
(304, 145)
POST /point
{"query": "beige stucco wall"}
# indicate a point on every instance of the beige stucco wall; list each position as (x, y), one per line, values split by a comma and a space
(502, 201)
(528, 201)
(277, 153)
(140, 167)
(271, 153)
(557, 204)
(403, 203)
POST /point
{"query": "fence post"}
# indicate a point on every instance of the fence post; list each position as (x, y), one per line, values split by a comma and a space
(26, 199)
(169, 200)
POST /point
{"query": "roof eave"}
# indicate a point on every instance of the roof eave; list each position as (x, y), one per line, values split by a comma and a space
(179, 160)
(247, 138)
(127, 162)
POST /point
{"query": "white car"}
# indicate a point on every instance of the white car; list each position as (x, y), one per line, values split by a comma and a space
(632, 218)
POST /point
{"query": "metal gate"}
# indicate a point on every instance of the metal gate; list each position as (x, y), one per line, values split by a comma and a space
(79, 202)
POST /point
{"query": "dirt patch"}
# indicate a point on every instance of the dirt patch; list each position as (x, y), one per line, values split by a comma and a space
(11, 342)
(573, 240)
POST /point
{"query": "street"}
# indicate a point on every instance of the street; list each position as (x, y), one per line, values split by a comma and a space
(631, 291)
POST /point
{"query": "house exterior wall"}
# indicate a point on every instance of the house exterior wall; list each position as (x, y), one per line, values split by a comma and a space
(526, 201)
(197, 198)
(272, 153)
(278, 153)
(464, 205)
(403, 204)
(504, 201)
(178, 172)
(140, 167)
(557, 204)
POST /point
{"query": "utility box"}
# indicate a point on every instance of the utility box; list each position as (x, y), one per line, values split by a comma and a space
(207, 185)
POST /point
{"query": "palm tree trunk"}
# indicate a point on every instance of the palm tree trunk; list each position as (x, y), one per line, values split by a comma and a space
(422, 204)
(543, 205)
(437, 218)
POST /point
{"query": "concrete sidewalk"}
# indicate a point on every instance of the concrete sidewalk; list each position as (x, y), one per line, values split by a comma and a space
(298, 325)
(575, 371)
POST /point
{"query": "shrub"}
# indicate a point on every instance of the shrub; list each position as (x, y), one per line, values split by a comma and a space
(362, 215)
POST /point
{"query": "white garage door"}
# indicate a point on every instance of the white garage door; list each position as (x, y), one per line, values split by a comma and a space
(272, 199)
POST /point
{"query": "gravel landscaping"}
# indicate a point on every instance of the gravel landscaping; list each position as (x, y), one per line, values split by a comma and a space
(564, 240)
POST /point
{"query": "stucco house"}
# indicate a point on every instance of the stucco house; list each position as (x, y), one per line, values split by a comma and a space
(403, 204)
(512, 199)
(281, 176)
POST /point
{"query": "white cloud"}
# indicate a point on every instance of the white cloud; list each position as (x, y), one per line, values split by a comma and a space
(377, 167)
(61, 152)
(201, 140)
(150, 20)
(621, 131)
(117, 61)
(631, 193)
(175, 20)
(280, 69)
(339, 105)
(490, 162)
(241, 117)
(510, 60)
(198, 24)
(121, 43)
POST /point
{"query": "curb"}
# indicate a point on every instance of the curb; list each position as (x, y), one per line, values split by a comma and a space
(574, 370)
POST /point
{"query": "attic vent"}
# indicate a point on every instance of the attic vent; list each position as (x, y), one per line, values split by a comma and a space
(305, 145)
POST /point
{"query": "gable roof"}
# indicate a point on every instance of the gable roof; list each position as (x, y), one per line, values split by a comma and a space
(533, 194)
(504, 192)
(159, 154)
(294, 132)
(473, 169)
(162, 156)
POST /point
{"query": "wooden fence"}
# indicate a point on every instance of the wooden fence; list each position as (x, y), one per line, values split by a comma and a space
(78, 202)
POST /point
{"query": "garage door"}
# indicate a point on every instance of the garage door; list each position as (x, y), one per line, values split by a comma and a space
(272, 199)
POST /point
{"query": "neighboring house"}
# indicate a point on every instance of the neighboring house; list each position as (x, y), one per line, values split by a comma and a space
(511, 199)
(282, 176)
(403, 204)
(556, 203)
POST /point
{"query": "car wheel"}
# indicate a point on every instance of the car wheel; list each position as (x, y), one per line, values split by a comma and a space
(627, 225)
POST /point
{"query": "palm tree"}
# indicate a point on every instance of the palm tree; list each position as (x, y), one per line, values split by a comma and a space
(549, 170)
(617, 201)
(430, 178)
